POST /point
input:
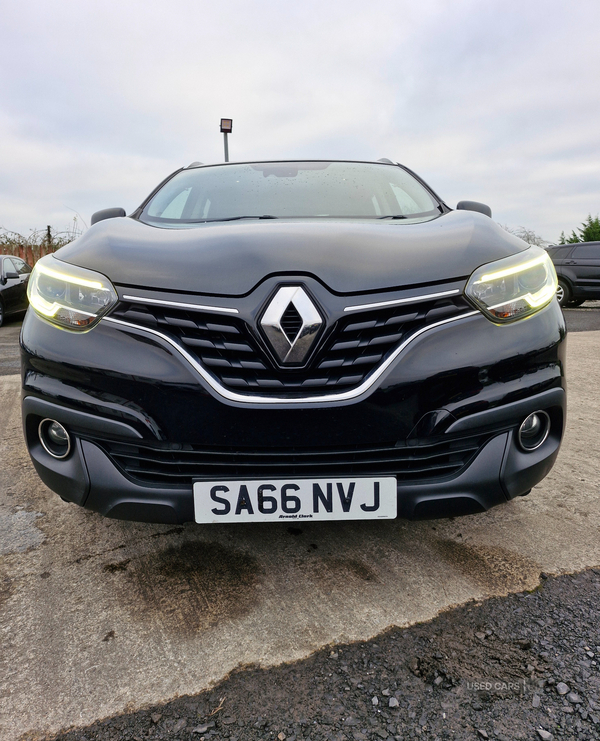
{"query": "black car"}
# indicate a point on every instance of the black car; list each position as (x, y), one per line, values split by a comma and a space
(578, 270)
(14, 275)
(293, 340)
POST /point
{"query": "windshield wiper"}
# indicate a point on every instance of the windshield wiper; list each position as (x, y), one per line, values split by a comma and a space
(235, 218)
(393, 216)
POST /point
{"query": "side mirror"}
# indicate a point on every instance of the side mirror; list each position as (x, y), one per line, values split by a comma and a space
(11, 274)
(481, 208)
(108, 213)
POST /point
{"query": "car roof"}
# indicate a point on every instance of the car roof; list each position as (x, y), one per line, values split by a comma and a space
(382, 161)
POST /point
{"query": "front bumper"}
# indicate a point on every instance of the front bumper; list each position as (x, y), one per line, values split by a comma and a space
(443, 420)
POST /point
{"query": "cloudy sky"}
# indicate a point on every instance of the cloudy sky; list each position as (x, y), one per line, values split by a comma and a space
(489, 100)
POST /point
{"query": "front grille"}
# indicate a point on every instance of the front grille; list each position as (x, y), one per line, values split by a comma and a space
(239, 358)
(179, 464)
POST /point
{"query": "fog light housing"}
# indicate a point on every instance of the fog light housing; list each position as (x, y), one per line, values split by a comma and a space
(55, 439)
(534, 430)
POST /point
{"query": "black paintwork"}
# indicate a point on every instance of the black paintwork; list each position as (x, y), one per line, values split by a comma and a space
(481, 208)
(138, 382)
(117, 386)
(107, 213)
(348, 256)
(13, 286)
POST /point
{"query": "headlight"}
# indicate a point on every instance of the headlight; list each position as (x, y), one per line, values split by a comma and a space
(514, 287)
(69, 296)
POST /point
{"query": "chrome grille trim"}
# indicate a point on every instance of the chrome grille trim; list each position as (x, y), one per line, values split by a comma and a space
(179, 305)
(255, 399)
(398, 301)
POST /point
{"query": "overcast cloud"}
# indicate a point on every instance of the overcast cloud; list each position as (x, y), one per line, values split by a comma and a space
(496, 101)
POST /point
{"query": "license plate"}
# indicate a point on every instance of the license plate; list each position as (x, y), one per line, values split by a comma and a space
(299, 499)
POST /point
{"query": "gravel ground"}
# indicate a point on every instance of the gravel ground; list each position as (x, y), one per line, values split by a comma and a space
(522, 667)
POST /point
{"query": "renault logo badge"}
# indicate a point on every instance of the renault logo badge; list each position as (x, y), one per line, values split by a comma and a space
(291, 324)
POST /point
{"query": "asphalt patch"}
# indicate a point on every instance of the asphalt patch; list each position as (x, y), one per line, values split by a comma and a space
(584, 318)
(503, 669)
(10, 354)
(188, 587)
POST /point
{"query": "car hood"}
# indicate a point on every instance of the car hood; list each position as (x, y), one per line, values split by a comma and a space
(231, 258)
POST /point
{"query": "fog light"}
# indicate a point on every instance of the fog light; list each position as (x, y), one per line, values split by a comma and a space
(55, 440)
(534, 430)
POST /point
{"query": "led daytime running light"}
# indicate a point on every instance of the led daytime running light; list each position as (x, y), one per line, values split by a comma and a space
(520, 286)
(44, 307)
(539, 299)
(71, 278)
(69, 296)
(512, 271)
(50, 310)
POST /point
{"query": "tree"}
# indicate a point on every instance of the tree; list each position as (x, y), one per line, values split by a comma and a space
(588, 232)
(527, 235)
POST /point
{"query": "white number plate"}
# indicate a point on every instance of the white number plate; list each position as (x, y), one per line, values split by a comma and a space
(300, 499)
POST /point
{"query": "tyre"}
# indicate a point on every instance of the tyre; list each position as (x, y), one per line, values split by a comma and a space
(576, 302)
(1, 313)
(563, 293)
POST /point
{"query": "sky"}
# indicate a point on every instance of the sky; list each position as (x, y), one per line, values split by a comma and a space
(490, 100)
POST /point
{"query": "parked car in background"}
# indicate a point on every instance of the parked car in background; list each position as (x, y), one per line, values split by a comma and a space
(14, 276)
(578, 271)
(274, 341)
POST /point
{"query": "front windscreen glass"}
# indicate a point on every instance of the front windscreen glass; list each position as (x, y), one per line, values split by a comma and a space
(290, 190)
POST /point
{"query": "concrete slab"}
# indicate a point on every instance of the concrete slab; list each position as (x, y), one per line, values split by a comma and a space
(99, 616)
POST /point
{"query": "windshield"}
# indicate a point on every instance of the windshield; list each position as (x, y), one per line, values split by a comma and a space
(289, 190)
